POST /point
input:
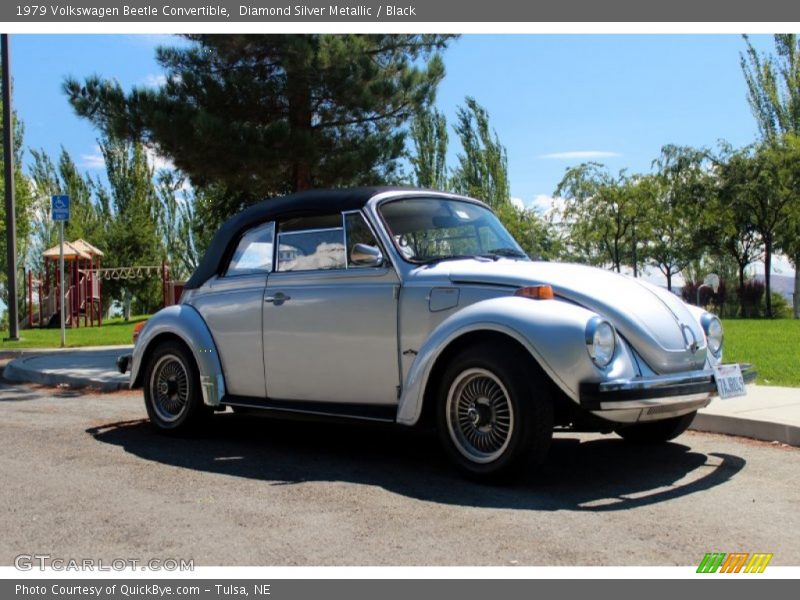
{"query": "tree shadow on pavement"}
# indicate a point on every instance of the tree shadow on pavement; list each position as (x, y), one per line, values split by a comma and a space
(604, 474)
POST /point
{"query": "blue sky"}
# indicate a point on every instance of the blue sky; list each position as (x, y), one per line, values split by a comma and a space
(555, 100)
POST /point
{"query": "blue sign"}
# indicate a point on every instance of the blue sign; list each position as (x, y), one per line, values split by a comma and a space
(60, 208)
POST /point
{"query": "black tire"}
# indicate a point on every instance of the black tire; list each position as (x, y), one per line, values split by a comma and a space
(656, 432)
(485, 441)
(172, 390)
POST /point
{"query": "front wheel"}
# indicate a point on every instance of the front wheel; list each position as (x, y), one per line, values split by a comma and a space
(495, 412)
(656, 432)
(172, 389)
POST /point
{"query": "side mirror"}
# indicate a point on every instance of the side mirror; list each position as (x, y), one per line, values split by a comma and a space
(363, 255)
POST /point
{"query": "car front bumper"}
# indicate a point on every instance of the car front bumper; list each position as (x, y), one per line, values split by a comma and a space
(659, 392)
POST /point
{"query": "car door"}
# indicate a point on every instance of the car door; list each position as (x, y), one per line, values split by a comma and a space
(330, 320)
(231, 305)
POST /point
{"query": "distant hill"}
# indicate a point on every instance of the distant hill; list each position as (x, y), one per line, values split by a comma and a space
(782, 284)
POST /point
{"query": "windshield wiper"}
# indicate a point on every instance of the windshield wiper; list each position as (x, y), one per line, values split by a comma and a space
(505, 252)
(435, 259)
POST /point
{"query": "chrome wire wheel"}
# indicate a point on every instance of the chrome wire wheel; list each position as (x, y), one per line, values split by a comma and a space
(169, 388)
(480, 416)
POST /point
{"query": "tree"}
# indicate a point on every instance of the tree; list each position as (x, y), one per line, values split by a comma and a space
(482, 170)
(44, 184)
(599, 214)
(737, 227)
(787, 157)
(22, 208)
(132, 237)
(642, 191)
(260, 115)
(679, 229)
(773, 86)
(773, 92)
(533, 233)
(429, 159)
(758, 175)
(87, 219)
(176, 220)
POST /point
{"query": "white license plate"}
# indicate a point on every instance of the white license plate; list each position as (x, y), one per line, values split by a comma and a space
(730, 382)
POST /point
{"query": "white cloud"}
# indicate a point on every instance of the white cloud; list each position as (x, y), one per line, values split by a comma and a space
(579, 154)
(94, 160)
(517, 203)
(157, 161)
(545, 204)
(155, 80)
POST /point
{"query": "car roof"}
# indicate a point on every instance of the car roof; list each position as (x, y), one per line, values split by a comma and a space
(307, 202)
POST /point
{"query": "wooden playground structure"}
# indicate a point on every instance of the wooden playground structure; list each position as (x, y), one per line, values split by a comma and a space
(83, 289)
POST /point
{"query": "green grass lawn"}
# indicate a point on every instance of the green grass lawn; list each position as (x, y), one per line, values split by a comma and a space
(772, 346)
(113, 332)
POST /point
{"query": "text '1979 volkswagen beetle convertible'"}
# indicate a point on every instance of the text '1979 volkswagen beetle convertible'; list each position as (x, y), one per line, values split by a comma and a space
(413, 306)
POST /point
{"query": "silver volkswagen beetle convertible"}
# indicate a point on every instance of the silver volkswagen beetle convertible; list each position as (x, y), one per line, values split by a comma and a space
(418, 307)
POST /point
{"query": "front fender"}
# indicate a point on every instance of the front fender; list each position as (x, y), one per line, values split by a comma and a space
(552, 331)
(183, 321)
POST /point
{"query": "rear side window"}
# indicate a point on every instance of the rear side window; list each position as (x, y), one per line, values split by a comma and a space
(254, 252)
(311, 243)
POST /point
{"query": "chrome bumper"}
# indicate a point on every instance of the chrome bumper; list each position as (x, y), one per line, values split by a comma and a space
(657, 390)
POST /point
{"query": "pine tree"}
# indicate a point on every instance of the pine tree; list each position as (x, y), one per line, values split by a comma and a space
(256, 116)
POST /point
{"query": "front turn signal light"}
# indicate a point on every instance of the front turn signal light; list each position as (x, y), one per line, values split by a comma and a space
(536, 292)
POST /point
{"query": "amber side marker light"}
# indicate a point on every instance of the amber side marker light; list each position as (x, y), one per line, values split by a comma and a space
(137, 329)
(536, 292)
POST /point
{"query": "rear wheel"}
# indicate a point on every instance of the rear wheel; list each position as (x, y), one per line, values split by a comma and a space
(495, 412)
(656, 432)
(172, 389)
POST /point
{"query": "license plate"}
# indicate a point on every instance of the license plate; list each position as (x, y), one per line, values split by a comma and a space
(730, 382)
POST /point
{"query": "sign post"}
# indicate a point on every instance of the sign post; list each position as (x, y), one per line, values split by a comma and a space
(60, 213)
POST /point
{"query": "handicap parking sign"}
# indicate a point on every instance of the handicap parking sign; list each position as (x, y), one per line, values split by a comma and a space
(60, 208)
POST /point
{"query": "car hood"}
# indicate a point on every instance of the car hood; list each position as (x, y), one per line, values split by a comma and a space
(654, 321)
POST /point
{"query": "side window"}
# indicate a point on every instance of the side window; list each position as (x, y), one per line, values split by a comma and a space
(357, 232)
(254, 252)
(311, 243)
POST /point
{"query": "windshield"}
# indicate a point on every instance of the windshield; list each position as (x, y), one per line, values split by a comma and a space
(431, 229)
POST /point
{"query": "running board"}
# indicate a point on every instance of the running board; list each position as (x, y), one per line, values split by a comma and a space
(369, 412)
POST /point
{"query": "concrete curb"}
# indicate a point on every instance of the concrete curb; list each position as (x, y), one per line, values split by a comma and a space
(105, 380)
(751, 428)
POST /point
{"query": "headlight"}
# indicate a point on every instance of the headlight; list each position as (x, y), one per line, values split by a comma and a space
(713, 330)
(601, 341)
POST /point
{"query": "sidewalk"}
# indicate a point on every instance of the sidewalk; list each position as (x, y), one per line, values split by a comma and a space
(93, 367)
(766, 413)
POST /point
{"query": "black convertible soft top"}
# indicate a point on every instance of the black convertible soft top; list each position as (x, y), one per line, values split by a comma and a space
(312, 201)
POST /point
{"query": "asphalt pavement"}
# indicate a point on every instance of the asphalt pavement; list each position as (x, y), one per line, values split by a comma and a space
(86, 476)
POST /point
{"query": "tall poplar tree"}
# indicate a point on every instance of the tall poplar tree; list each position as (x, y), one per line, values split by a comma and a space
(773, 91)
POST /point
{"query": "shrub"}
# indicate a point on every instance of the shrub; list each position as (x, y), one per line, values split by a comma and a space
(752, 295)
(714, 302)
(781, 309)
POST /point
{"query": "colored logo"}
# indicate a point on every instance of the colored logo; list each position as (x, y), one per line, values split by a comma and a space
(735, 562)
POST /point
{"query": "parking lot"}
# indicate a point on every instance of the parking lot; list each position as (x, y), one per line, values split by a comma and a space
(86, 476)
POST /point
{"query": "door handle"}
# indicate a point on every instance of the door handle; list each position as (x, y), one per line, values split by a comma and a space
(278, 299)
